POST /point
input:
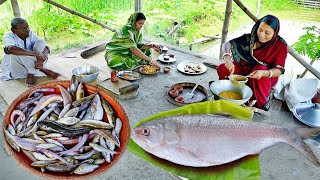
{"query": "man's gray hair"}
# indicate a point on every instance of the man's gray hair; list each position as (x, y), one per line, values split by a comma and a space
(17, 21)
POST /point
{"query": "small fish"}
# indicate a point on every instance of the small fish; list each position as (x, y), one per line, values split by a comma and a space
(95, 110)
(85, 168)
(66, 96)
(64, 110)
(73, 87)
(80, 92)
(209, 140)
(44, 101)
(95, 124)
(68, 121)
(102, 149)
(72, 112)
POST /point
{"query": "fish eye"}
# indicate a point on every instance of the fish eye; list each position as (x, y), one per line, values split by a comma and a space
(146, 131)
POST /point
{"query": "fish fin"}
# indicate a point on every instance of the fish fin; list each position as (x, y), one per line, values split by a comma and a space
(190, 155)
(300, 145)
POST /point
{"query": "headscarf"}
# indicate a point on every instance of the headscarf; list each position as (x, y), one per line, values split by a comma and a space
(242, 47)
(131, 23)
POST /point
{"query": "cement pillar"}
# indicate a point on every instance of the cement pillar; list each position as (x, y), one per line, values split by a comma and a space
(137, 5)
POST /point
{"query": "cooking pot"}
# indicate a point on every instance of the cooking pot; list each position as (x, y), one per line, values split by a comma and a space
(226, 85)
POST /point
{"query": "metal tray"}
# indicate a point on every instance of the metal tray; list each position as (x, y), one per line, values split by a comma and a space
(200, 94)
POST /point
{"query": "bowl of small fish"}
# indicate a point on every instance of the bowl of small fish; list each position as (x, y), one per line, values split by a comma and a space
(226, 89)
(57, 133)
(86, 74)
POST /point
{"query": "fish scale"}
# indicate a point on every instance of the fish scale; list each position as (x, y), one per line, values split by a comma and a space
(209, 140)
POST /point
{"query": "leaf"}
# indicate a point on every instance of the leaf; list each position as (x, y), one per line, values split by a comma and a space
(245, 168)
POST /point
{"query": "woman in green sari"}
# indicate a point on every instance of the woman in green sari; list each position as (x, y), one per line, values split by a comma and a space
(126, 50)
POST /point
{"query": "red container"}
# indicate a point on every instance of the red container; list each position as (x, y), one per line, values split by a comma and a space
(114, 77)
(25, 162)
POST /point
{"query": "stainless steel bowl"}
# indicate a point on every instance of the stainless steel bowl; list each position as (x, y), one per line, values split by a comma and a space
(226, 85)
(86, 74)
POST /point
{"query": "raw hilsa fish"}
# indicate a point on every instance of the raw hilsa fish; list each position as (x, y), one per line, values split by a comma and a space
(209, 140)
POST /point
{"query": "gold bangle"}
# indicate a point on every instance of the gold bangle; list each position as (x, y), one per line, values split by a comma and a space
(270, 73)
(225, 54)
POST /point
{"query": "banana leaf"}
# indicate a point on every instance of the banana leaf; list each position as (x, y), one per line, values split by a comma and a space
(244, 168)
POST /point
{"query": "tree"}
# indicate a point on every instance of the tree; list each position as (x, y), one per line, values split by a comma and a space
(309, 45)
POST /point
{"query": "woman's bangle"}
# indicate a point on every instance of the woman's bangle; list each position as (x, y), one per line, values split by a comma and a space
(226, 54)
(270, 73)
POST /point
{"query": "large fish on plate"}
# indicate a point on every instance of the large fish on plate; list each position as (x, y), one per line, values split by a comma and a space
(210, 140)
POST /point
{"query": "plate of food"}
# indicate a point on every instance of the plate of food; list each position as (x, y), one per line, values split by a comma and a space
(191, 68)
(176, 94)
(167, 58)
(149, 69)
(129, 75)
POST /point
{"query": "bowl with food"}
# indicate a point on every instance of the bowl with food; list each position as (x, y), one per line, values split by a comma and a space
(226, 89)
(166, 69)
(238, 80)
(47, 133)
(86, 74)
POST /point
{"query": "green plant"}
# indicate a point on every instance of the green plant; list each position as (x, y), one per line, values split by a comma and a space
(309, 45)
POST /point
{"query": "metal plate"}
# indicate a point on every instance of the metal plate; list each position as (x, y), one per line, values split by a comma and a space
(308, 113)
(129, 75)
(171, 60)
(200, 94)
(191, 68)
(149, 69)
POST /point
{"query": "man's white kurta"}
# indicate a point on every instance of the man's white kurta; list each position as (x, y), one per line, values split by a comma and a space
(15, 67)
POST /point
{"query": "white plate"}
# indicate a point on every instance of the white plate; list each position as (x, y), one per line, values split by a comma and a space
(161, 58)
(181, 67)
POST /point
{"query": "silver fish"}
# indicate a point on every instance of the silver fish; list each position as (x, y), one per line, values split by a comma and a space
(209, 140)
(85, 168)
(72, 112)
(95, 110)
(66, 96)
(68, 121)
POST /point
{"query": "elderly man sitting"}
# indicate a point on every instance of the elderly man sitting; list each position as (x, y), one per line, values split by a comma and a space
(25, 54)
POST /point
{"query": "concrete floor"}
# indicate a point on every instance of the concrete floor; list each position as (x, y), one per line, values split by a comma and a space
(278, 162)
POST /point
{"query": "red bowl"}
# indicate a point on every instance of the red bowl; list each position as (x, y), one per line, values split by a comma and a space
(25, 162)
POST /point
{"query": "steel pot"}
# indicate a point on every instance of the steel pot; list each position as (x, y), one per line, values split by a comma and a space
(226, 85)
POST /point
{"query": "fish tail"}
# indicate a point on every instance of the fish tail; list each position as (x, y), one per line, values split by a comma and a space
(300, 145)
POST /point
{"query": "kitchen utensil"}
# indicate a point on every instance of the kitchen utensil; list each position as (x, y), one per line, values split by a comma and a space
(86, 74)
(190, 94)
(226, 85)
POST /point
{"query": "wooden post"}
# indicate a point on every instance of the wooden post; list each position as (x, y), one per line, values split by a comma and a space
(78, 14)
(137, 6)
(225, 25)
(2, 1)
(300, 59)
(15, 8)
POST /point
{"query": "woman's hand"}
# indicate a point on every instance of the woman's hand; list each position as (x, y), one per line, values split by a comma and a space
(156, 47)
(258, 74)
(228, 63)
(153, 62)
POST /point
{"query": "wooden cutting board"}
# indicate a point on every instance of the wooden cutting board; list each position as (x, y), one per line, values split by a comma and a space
(115, 86)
